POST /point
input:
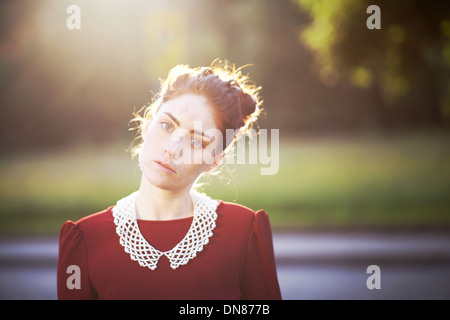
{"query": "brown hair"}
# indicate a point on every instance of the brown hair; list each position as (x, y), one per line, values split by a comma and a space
(235, 101)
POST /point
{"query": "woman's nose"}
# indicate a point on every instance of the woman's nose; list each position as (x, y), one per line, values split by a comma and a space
(174, 146)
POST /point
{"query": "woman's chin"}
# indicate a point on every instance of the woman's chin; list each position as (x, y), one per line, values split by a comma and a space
(162, 181)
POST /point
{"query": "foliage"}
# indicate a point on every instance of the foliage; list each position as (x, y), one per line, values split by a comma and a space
(62, 87)
(407, 60)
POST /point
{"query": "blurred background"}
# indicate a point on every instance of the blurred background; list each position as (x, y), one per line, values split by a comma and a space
(363, 114)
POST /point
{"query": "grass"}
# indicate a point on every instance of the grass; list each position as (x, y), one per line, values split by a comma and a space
(372, 181)
(399, 181)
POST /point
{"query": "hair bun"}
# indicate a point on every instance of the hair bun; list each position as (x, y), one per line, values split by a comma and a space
(248, 104)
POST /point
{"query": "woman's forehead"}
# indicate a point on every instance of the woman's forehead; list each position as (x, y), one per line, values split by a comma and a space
(186, 109)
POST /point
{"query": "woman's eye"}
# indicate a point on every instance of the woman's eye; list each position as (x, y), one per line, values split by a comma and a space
(196, 142)
(166, 126)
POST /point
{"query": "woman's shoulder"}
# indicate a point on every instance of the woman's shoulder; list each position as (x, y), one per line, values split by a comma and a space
(235, 208)
(243, 223)
(92, 222)
(240, 213)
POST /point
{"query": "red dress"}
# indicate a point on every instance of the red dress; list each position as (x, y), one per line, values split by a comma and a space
(237, 263)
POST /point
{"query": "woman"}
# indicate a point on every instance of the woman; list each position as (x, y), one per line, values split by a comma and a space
(166, 241)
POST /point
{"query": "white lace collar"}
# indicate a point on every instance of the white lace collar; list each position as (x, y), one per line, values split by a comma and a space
(134, 243)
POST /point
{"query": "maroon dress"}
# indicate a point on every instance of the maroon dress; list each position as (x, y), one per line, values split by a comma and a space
(237, 263)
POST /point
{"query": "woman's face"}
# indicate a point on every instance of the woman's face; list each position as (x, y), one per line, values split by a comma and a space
(180, 142)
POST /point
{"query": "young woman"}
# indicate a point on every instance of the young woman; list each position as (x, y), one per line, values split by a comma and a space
(166, 241)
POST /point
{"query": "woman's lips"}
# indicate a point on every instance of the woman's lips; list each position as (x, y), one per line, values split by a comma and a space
(164, 167)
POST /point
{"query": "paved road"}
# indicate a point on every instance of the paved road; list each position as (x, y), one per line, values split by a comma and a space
(334, 266)
(310, 266)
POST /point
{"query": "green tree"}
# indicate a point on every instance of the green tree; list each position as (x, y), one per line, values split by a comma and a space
(405, 64)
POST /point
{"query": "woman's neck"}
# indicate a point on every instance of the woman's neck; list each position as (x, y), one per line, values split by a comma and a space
(153, 203)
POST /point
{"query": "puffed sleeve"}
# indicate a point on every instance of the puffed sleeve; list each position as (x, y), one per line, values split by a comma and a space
(260, 281)
(72, 274)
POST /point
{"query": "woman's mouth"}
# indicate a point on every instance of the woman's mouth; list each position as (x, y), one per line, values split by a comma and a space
(164, 167)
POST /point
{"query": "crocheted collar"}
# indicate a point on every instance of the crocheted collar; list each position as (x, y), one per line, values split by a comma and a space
(134, 243)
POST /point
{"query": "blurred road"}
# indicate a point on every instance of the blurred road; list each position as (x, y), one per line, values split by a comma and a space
(310, 266)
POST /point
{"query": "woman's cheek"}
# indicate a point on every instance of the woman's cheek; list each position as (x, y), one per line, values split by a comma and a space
(143, 155)
(197, 156)
(149, 147)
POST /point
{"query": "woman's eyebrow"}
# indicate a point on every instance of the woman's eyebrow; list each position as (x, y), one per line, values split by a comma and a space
(171, 116)
(201, 134)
